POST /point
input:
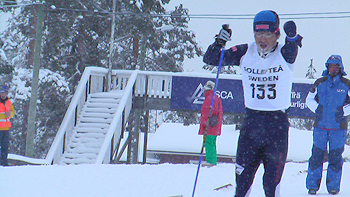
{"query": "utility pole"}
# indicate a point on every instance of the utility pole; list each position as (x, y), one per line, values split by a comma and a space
(35, 82)
(111, 46)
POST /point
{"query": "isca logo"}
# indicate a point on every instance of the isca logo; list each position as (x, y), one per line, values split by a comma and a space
(197, 96)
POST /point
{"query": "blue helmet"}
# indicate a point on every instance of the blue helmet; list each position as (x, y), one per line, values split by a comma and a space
(4, 89)
(266, 20)
(334, 59)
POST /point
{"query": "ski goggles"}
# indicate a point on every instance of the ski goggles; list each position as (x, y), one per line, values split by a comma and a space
(334, 58)
(260, 34)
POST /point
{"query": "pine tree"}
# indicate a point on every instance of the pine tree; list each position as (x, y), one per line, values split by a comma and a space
(6, 68)
(311, 71)
(77, 34)
(7, 5)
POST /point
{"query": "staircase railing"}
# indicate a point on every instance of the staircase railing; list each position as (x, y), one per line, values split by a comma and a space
(148, 83)
(92, 81)
(120, 118)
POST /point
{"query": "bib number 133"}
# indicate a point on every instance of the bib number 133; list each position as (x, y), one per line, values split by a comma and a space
(261, 91)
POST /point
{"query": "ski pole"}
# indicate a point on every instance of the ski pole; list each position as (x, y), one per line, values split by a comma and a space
(207, 125)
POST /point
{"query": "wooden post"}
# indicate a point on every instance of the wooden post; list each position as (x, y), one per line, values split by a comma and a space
(111, 45)
(35, 82)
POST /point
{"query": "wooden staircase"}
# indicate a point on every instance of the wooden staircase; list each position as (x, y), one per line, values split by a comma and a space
(93, 123)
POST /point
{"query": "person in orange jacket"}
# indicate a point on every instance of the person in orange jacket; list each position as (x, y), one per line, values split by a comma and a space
(6, 112)
(214, 124)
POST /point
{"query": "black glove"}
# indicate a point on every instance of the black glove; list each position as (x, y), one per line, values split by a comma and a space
(290, 28)
(339, 114)
(224, 35)
(213, 120)
(291, 31)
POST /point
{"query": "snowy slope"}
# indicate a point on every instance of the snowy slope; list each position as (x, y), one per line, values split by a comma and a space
(157, 180)
(176, 137)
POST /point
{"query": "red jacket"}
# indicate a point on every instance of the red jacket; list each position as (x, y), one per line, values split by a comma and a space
(216, 110)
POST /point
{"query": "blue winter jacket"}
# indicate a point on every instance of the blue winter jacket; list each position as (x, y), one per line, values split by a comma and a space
(327, 99)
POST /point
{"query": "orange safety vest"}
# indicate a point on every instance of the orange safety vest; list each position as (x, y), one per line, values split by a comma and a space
(4, 108)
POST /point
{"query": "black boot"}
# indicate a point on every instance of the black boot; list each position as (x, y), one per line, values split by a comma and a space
(312, 191)
(333, 191)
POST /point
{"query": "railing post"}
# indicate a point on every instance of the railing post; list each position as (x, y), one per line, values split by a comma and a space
(135, 135)
(145, 140)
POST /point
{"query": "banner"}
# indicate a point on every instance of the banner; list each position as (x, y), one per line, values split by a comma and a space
(187, 94)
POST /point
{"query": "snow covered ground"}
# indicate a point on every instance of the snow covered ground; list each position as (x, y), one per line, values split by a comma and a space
(176, 137)
(165, 179)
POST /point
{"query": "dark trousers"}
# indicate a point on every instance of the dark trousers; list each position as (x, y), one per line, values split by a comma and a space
(4, 143)
(263, 138)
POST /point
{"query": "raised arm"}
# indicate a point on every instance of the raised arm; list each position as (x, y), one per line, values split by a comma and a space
(293, 40)
(232, 56)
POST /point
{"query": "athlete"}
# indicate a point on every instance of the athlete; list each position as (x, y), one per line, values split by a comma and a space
(267, 71)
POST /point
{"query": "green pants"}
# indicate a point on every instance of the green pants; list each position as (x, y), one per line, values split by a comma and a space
(210, 149)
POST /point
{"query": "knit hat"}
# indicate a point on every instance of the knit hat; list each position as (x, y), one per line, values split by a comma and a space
(334, 59)
(209, 86)
(266, 20)
(4, 89)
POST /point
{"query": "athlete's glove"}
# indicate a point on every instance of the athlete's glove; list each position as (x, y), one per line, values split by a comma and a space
(224, 35)
(291, 31)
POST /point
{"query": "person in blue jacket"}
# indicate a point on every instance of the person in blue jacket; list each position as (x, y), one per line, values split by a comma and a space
(329, 99)
(267, 72)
